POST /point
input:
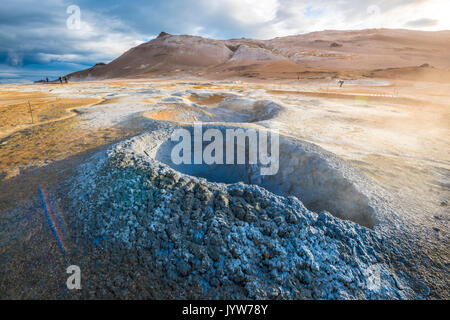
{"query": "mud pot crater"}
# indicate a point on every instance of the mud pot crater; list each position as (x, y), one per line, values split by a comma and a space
(316, 177)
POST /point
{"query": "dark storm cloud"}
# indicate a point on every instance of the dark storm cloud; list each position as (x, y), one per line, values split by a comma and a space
(31, 33)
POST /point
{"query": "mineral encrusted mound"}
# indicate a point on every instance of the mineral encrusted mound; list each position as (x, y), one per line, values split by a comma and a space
(316, 177)
(247, 110)
(201, 239)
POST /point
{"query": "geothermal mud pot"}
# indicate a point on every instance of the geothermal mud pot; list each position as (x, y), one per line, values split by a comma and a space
(206, 231)
(142, 227)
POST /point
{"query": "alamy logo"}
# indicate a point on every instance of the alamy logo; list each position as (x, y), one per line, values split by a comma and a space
(73, 22)
(241, 146)
(74, 281)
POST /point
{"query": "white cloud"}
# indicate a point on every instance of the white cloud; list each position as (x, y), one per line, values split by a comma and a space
(251, 11)
(294, 17)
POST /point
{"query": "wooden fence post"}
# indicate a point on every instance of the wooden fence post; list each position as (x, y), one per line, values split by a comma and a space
(31, 111)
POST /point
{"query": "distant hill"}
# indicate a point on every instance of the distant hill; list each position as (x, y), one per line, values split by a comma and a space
(318, 53)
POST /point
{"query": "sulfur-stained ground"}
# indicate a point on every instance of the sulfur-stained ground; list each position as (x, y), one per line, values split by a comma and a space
(396, 132)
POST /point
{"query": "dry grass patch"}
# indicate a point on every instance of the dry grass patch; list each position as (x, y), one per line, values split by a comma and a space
(43, 144)
(15, 109)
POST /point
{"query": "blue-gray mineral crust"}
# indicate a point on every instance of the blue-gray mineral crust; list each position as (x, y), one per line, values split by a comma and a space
(188, 237)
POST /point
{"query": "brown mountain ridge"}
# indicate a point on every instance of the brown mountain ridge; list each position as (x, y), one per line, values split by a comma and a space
(388, 53)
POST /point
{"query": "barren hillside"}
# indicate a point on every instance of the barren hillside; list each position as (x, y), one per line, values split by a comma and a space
(364, 52)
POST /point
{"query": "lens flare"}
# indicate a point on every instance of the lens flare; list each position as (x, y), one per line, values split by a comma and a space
(54, 219)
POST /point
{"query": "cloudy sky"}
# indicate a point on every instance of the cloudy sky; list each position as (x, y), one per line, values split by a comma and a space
(52, 37)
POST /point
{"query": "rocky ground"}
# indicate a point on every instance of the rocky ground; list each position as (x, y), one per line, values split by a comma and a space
(140, 227)
(210, 240)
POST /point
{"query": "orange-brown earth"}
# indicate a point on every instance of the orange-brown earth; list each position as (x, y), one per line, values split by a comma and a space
(397, 132)
(54, 135)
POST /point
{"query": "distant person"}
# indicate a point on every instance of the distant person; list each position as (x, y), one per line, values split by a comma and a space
(60, 80)
(46, 79)
(66, 80)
